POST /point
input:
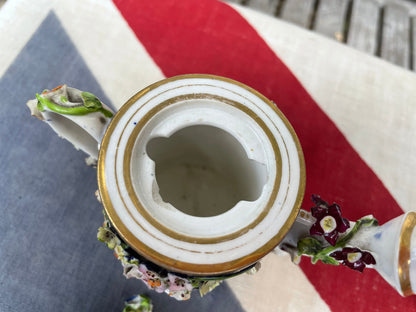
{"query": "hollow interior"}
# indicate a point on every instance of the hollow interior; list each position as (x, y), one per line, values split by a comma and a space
(204, 171)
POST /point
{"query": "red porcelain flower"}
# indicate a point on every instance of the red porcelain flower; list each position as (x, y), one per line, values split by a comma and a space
(354, 258)
(329, 222)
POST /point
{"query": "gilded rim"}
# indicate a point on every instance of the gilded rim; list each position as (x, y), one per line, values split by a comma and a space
(408, 226)
(172, 264)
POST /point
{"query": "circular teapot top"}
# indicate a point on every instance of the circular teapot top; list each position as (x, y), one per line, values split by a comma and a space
(201, 174)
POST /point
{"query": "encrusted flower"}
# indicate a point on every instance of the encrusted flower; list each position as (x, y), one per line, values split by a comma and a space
(121, 254)
(152, 279)
(179, 288)
(208, 286)
(139, 303)
(354, 258)
(105, 235)
(178, 283)
(131, 271)
(329, 222)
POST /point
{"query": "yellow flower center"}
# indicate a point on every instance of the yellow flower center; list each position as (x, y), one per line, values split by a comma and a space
(353, 257)
(328, 224)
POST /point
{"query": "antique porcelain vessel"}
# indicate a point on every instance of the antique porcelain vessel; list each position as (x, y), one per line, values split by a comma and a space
(201, 176)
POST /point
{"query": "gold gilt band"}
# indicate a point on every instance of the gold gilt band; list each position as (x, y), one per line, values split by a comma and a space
(404, 253)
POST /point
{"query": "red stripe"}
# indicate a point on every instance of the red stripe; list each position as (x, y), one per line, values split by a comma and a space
(206, 36)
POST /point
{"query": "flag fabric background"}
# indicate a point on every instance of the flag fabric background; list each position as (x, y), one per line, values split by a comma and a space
(355, 116)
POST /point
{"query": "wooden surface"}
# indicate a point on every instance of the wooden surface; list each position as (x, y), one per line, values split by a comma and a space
(413, 42)
(267, 6)
(298, 12)
(384, 28)
(395, 39)
(364, 22)
(330, 18)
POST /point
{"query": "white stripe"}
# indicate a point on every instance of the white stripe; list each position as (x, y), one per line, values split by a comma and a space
(371, 101)
(109, 47)
(18, 22)
(279, 285)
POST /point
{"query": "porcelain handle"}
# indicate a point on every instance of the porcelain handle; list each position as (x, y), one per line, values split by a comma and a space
(80, 117)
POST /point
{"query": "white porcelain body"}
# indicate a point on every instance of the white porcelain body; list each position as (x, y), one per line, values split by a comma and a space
(221, 243)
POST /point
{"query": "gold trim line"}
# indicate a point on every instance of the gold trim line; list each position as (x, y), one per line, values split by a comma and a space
(408, 226)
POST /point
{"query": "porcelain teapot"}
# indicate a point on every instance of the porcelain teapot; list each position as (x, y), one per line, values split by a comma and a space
(201, 176)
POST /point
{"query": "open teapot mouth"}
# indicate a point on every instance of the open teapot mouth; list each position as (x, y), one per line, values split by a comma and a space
(201, 174)
(203, 171)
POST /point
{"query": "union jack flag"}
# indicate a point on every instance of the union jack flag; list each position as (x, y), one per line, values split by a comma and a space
(354, 115)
